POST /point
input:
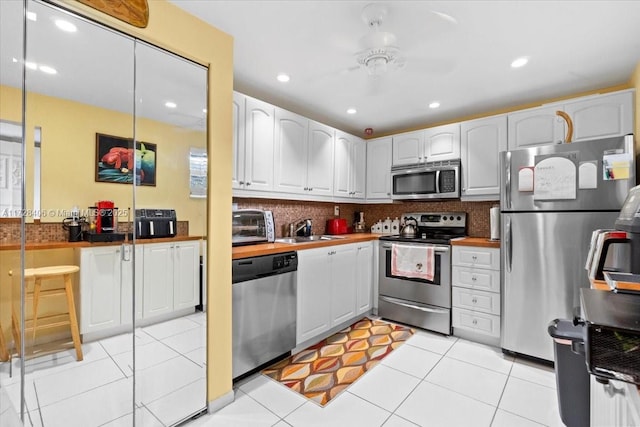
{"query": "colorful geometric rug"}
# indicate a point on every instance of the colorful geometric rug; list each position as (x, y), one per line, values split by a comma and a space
(327, 368)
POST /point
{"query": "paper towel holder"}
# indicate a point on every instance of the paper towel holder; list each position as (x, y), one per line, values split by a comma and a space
(494, 223)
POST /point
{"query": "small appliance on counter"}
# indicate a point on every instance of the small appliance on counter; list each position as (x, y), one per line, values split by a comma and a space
(337, 226)
(73, 225)
(155, 223)
(612, 334)
(358, 222)
(103, 223)
(252, 226)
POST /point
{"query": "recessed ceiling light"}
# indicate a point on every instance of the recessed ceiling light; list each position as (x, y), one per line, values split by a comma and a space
(434, 104)
(520, 62)
(31, 16)
(31, 65)
(352, 111)
(66, 26)
(283, 78)
(48, 70)
(170, 104)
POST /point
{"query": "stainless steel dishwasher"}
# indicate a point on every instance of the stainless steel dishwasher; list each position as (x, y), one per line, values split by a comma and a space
(264, 309)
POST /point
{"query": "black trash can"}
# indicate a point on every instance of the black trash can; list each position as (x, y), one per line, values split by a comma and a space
(572, 377)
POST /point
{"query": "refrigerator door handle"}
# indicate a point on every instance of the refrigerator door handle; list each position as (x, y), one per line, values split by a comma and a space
(507, 242)
(508, 180)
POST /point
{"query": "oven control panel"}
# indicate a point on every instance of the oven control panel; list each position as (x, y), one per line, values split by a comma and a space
(438, 219)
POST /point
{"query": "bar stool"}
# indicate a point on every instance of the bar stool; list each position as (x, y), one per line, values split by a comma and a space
(37, 275)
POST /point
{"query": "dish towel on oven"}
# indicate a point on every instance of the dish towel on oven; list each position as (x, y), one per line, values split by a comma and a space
(412, 261)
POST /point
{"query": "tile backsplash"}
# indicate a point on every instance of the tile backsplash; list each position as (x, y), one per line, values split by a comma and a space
(53, 231)
(288, 211)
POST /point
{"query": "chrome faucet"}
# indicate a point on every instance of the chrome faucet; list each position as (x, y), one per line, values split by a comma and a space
(301, 227)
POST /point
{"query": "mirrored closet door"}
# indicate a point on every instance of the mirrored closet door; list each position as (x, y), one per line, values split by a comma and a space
(101, 319)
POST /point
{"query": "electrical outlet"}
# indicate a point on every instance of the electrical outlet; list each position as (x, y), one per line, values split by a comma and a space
(336, 210)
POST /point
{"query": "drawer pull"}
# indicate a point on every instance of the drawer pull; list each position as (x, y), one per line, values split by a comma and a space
(475, 258)
(474, 300)
(474, 278)
(475, 321)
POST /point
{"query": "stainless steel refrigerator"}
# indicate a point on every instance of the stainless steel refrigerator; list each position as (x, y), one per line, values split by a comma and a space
(552, 198)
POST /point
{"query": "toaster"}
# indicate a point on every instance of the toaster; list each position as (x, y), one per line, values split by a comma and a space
(252, 226)
(336, 226)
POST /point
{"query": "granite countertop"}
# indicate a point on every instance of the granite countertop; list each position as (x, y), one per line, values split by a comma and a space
(240, 252)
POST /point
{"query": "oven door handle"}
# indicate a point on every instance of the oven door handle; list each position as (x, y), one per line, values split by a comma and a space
(417, 307)
(435, 248)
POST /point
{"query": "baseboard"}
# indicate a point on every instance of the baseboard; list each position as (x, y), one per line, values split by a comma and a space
(221, 402)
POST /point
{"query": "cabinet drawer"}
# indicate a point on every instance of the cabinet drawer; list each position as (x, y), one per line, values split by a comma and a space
(486, 302)
(475, 321)
(476, 278)
(476, 257)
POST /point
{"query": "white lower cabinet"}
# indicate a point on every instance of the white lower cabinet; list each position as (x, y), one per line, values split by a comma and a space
(476, 292)
(166, 279)
(334, 286)
(614, 404)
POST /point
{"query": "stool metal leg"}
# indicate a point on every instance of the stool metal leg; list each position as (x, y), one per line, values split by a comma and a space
(36, 300)
(4, 354)
(75, 333)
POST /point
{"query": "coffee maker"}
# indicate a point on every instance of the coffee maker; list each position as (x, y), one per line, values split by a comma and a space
(73, 225)
(103, 223)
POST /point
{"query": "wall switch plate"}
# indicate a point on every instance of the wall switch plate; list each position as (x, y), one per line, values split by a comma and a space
(336, 210)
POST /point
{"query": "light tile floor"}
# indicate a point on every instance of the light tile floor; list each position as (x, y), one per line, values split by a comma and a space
(432, 380)
(170, 385)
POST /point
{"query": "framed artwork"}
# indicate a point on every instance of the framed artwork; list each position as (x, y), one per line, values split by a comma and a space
(115, 158)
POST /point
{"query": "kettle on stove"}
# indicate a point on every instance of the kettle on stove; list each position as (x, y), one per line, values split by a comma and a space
(409, 230)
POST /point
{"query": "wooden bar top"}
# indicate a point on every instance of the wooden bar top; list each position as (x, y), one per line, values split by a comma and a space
(482, 242)
(72, 245)
(240, 252)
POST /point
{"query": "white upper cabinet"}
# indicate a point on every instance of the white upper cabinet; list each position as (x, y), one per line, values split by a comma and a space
(408, 148)
(481, 142)
(320, 162)
(599, 116)
(602, 116)
(350, 164)
(535, 126)
(259, 145)
(442, 143)
(237, 181)
(291, 152)
(379, 169)
(428, 145)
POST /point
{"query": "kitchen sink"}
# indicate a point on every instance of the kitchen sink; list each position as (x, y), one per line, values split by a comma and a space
(307, 239)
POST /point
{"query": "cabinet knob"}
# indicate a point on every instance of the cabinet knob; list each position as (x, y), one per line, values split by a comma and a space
(474, 278)
(310, 188)
(388, 194)
(248, 183)
(474, 300)
(475, 321)
(241, 182)
(306, 188)
(474, 257)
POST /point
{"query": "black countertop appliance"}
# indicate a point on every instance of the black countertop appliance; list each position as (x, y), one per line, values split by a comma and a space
(155, 223)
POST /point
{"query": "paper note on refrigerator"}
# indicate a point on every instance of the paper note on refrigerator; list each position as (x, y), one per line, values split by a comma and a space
(616, 166)
(555, 179)
(525, 179)
(588, 175)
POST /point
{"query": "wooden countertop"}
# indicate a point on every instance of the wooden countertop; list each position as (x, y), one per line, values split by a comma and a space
(483, 242)
(73, 245)
(240, 252)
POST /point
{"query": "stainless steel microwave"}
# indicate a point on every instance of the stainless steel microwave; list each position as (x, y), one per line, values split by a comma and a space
(252, 226)
(435, 180)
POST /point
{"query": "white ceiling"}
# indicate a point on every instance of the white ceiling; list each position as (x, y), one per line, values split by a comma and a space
(573, 46)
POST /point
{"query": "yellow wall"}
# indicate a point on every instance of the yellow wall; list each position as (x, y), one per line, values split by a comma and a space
(68, 152)
(176, 30)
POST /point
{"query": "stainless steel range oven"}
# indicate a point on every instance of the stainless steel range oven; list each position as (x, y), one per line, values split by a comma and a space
(418, 301)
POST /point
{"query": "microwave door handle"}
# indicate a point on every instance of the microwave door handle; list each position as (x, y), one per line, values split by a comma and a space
(438, 181)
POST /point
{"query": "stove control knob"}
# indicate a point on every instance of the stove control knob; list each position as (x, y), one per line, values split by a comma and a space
(451, 218)
(459, 218)
(444, 218)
